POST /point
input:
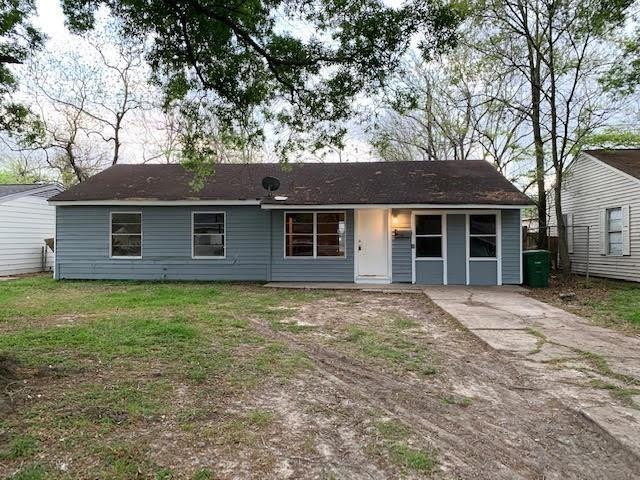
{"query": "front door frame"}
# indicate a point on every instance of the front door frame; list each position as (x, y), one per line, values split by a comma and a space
(388, 232)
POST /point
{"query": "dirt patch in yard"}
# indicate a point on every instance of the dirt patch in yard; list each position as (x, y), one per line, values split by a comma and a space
(343, 385)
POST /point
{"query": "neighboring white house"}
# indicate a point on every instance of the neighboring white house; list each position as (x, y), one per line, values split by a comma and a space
(601, 196)
(26, 220)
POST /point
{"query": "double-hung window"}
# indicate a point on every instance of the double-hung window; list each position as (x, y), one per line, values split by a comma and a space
(614, 231)
(482, 236)
(126, 234)
(315, 234)
(428, 236)
(208, 234)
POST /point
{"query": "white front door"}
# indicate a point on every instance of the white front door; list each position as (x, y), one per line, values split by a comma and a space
(372, 245)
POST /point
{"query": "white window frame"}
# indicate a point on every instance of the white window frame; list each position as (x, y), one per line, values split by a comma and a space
(314, 234)
(125, 257)
(496, 235)
(607, 220)
(224, 236)
(442, 236)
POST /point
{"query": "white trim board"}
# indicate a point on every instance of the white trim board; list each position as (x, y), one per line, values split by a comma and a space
(153, 203)
(224, 236)
(270, 206)
(414, 206)
(126, 257)
(443, 238)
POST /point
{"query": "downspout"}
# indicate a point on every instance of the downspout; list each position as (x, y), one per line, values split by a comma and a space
(270, 265)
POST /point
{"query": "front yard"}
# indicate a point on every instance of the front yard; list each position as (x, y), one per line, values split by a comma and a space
(193, 380)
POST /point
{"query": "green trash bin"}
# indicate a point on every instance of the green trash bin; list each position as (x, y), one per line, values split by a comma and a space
(536, 268)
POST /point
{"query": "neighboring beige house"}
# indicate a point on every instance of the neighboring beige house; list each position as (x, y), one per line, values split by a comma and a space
(601, 195)
(26, 220)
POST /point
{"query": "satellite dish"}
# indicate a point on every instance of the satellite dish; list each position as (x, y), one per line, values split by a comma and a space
(270, 184)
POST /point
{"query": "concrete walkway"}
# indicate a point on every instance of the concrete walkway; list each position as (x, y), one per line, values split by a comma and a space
(592, 369)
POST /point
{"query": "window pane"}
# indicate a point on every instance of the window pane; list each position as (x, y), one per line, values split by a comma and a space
(126, 246)
(126, 223)
(482, 224)
(125, 228)
(299, 223)
(208, 218)
(208, 245)
(615, 213)
(428, 224)
(299, 246)
(208, 251)
(330, 251)
(615, 248)
(429, 247)
(209, 239)
(330, 217)
(482, 246)
(208, 228)
(330, 223)
(615, 219)
(330, 246)
(126, 217)
(615, 243)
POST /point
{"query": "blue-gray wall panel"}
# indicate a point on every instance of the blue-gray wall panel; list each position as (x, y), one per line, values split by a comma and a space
(429, 272)
(511, 231)
(456, 249)
(401, 259)
(482, 272)
(82, 246)
(309, 269)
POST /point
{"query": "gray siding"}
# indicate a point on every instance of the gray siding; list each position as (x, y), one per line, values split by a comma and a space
(456, 250)
(482, 272)
(401, 259)
(589, 187)
(309, 269)
(511, 231)
(429, 272)
(82, 246)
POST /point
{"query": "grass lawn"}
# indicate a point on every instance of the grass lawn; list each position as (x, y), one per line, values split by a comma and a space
(91, 368)
(131, 380)
(103, 357)
(607, 302)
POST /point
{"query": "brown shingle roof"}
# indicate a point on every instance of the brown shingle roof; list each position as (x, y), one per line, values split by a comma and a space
(439, 182)
(626, 160)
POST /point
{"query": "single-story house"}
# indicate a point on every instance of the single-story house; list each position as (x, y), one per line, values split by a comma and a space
(442, 222)
(26, 220)
(601, 207)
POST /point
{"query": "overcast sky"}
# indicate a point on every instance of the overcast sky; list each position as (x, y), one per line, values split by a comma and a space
(50, 20)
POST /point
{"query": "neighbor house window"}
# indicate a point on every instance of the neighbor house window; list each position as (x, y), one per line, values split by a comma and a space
(315, 234)
(482, 236)
(428, 236)
(614, 231)
(208, 234)
(126, 234)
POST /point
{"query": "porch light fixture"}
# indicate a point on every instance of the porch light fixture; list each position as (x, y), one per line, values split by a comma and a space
(280, 198)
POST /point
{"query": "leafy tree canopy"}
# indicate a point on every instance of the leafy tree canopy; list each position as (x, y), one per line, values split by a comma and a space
(18, 39)
(296, 63)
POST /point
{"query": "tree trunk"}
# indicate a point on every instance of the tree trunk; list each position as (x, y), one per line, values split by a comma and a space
(558, 163)
(563, 245)
(534, 68)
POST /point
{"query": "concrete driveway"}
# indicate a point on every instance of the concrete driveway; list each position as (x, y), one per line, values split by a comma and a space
(592, 369)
